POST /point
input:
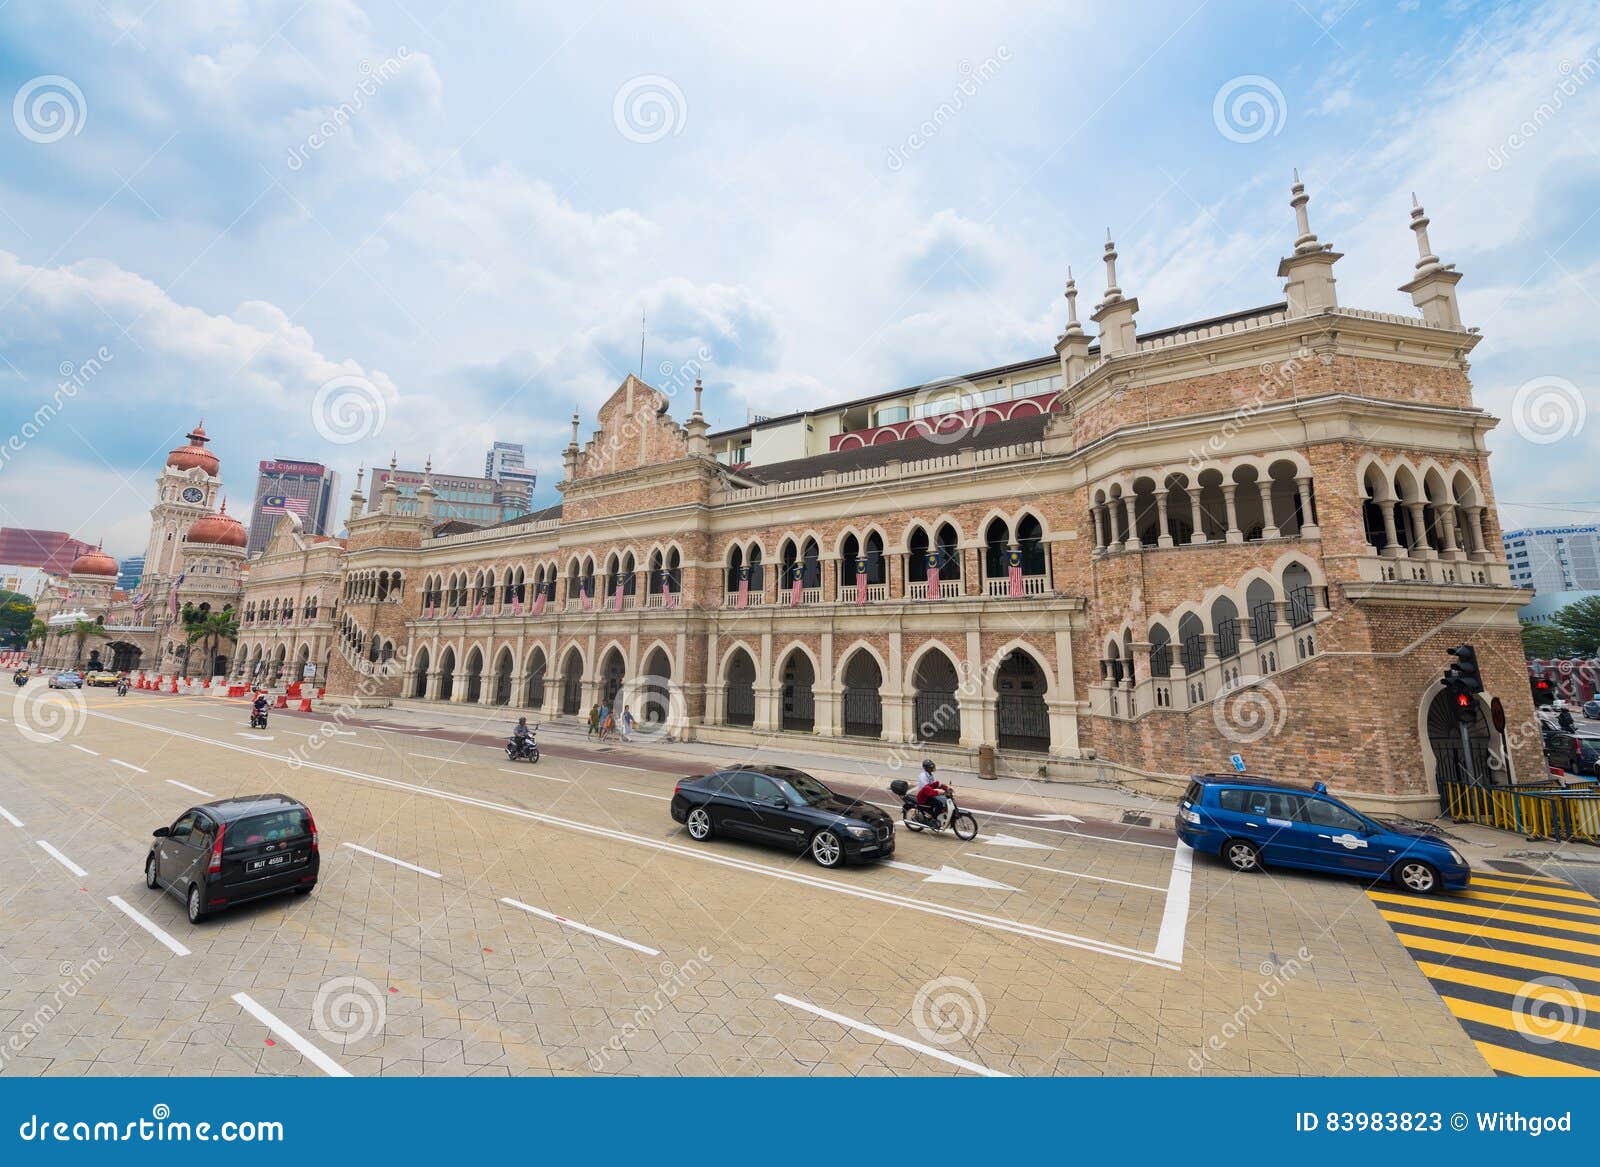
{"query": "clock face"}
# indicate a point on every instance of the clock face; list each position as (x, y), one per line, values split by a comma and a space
(192, 494)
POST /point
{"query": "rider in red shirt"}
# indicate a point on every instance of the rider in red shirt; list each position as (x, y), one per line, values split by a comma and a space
(931, 792)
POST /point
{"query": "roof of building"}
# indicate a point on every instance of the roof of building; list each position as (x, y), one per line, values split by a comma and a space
(909, 449)
(997, 371)
(95, 562)
(461, 526)
(220, 530)
(195, 453)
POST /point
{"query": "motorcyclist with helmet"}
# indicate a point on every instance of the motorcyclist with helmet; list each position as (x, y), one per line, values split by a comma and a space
(522, 737)
(931, 793)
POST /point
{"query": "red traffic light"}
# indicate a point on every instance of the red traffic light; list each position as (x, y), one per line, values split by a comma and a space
(1463, 701)
(1541, 685)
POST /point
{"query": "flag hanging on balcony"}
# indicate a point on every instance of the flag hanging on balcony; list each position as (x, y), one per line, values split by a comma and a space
(1014, 573)
(668, 597)
(744, 586)
(933, 575)
(861, 579)
(588, 602)
(172, 596)
(428, 613)
(538, 602)
(616, 596)
(516, 603)
(478, 611)
(797, 589)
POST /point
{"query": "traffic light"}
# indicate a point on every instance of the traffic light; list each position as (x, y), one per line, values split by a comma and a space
(1543, 692)
(1463, 675)
(1466, 711)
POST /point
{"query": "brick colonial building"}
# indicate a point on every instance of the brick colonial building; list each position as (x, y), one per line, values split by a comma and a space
(1127, 559)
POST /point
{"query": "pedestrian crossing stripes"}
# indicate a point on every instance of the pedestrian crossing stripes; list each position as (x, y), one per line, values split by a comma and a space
(1517, 960)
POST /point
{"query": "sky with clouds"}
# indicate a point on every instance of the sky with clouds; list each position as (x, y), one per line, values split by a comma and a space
(456, 214)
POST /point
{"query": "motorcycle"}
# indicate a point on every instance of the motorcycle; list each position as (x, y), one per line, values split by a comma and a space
(122, 688)
(524, 749)
(258, 718)
(918, 817)
(20, 679)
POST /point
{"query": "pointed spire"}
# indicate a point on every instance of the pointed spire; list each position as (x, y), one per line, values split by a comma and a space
(699, 389)
(1073, 327)
(575, 423)
(1426, 259)
(1113, 293)
(1307, 241)
(360, 470)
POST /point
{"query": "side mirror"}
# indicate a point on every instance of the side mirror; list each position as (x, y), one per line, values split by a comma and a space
(780, 804)
(161, 832)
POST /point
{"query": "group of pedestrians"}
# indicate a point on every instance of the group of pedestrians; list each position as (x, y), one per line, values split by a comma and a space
(605, 723)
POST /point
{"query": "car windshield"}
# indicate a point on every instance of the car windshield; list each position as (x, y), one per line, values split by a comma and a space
(277, 827)
(802, 787)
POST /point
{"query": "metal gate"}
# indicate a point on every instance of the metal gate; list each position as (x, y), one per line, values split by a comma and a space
(571, 694)
(863, 713)
(1023, 722)
(799, 707)
(739, 705)
(935, 716)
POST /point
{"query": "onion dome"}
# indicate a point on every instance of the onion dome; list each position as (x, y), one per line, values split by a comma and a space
(195, 453)
(95, 562)
(220, 529)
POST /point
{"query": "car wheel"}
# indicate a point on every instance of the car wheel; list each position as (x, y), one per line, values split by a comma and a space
(151, 879)
(1242, 855)
(965, 826)
(700, 824)
(1415, 875)
(908, 817)
(827, 849)
(197, 911)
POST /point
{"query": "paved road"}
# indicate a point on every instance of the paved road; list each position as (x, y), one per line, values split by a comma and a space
(475, 917)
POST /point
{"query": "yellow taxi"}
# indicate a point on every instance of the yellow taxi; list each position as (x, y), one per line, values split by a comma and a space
(103, 677)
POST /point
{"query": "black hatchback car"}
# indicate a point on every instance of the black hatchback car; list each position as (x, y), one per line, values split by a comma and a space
(787, 808)
(233, 850)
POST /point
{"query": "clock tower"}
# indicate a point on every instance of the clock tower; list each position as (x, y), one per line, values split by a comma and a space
(186, 491)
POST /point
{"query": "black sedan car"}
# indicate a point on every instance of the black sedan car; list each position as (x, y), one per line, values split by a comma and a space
(787, 808)
(233, 850)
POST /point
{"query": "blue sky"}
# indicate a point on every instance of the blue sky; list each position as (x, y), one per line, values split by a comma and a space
(474, 244)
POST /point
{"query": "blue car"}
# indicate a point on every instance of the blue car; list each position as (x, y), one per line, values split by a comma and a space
(1256, 822)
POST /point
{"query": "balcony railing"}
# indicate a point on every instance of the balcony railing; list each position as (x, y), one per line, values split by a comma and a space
(754, 598)
(949, 589)
(876, 593)
(657, 600)
(807, 596)
(1032, 585)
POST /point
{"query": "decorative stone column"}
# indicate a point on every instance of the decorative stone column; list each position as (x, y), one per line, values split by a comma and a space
(1309, 528)
(1234, 535)
(1391, 531)
(1447, 528)
(1419, 548)
(1098, 517)
(1132, 542)
(1164, 538)
(1269, 517)
(1474, 530)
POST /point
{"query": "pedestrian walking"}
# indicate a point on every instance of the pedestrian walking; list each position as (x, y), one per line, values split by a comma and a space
(627, 723)
(594, 720)
(605, 721)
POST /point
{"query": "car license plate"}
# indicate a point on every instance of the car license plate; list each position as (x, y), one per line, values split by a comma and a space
(272, 861)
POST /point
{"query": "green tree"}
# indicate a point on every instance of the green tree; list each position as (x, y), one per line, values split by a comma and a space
(80, 632)
(212, 628)
(1581, 623)
(38, 630)
(16, 616)
(1545, 641)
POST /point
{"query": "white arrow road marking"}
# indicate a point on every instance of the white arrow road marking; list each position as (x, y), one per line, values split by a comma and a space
(948, 874)
(190, 789)
(885, 1035)
(308, 1051)
(1069, 874)
(1030, 818)
(396, 862)
(1013, 841)
(562, 920)
(148, 925)
(62, 859)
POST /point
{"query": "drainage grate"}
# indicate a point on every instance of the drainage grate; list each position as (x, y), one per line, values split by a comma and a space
(1133, 818)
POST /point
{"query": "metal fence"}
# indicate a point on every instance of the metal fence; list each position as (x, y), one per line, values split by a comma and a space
(936, 717)
(1537, 813)
(739, 706)
(863, 713)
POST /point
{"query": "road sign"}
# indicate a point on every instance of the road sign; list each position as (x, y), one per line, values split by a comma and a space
(1238, 762)
(1497, 715)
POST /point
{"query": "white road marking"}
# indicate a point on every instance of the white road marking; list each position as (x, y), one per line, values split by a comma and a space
(129, 765)
(148, 925)
(85, 749)
(699, 853)
(190, 789)
(396, 862)
(534, 774)
(9, 817)
(255, 737)
(431, 758)
(613, 765)
(308, 1051)
(1030, 818)
(209, 716)
(1013, 841)
(360, 746)
(947, 874)
(885, 1035)
(1068, 874)
(580, 927)
(62, 859)
(1175, 916)
(639, 793)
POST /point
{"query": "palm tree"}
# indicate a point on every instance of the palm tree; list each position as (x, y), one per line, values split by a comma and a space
(80, 631)
(213, 628)
(38, 632)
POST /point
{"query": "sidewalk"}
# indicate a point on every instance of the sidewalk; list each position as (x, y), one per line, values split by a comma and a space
(1101, 801)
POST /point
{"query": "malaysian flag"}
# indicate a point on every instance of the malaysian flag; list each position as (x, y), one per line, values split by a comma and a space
(277, 504)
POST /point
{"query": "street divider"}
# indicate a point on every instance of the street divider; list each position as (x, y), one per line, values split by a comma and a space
(1566, 815)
